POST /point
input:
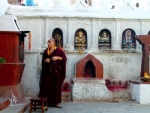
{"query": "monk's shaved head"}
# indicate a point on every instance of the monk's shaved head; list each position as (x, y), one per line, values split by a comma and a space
(51, 42)
(50, 39)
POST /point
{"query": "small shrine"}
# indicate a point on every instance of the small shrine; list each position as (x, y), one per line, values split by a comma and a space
(89, 81)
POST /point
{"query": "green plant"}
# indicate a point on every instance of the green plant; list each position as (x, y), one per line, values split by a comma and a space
(2, 60)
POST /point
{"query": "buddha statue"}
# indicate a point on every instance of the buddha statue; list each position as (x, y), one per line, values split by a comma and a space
(58, 41)
(104, 38)
(87, 73)
(80, 41)
(146, 75)
(127, 40)
(128, 37)
(104, 41)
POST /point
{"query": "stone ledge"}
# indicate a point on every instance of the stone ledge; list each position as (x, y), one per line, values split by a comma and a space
(35, 51)
(18, 108)
(88, 80)
(69, 12)
(138, 82)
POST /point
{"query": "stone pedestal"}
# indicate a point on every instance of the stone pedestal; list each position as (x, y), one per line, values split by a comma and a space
(90, 90)
(140, 91)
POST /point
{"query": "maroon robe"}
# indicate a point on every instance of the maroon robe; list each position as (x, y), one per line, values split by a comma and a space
(53, 75)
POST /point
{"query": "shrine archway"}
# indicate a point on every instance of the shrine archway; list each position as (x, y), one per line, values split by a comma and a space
(89, 71)
(104, 39)
(128, 39)
(80, 40)
(89, 66)
(58, 36)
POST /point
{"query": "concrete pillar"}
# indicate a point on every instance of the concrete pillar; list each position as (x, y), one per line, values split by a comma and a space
(69, 45)
(138, 46)
(117, 38)
(46, 35)
(94, 39)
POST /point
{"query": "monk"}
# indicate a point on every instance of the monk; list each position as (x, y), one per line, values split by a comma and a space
(53, 74)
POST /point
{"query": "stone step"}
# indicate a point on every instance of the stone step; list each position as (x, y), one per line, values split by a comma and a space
(4, 103)
(18, 108)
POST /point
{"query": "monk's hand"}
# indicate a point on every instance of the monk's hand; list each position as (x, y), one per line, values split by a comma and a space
(54, 58)
(47, 60)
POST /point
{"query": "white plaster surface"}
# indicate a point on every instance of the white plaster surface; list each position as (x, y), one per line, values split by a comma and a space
(140, 93)
(118, 64)
(7, 23)
(90, 90)
(31, 75)
(3, 7)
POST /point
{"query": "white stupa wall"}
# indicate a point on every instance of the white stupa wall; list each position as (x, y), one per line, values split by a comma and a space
(3, 7)
(118, 64)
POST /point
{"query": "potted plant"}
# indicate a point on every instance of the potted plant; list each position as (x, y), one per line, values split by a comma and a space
(2, 60)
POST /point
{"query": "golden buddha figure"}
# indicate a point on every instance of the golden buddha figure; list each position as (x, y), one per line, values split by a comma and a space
(80, 41)
(146, 75)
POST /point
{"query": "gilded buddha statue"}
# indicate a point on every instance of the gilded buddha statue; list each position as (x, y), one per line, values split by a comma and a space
(146, 75)
(80, 41)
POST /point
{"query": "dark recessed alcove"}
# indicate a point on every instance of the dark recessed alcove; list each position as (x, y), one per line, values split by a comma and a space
(89, 70)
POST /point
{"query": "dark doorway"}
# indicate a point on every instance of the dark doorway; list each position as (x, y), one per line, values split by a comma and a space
(89, 71)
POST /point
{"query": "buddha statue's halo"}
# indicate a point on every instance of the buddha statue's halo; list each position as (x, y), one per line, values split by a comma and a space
(80, 32)
(104, 33)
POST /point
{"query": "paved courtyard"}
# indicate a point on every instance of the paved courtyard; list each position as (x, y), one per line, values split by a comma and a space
(99, 107)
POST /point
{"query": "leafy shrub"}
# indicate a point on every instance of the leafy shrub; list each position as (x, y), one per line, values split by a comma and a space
(2, 60)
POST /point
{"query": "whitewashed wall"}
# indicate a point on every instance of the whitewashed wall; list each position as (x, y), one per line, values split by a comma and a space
(3, 7)
(118, 64)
